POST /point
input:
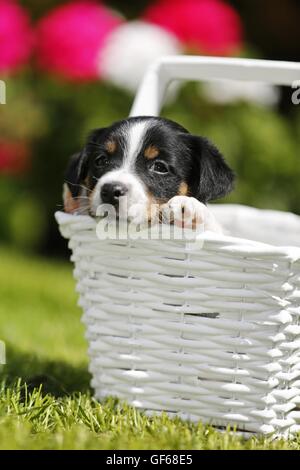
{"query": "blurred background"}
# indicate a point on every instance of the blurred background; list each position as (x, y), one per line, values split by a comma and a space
(73, 66)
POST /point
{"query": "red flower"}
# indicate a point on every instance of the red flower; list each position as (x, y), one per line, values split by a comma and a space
(205, 26)
(14, 157)
(71, 36)
(16, 36)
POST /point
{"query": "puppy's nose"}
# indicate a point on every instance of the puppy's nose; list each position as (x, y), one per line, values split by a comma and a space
(111, 192)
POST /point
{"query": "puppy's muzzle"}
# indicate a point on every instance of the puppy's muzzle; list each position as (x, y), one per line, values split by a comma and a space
(112, 192)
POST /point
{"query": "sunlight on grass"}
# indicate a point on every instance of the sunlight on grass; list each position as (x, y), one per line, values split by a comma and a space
(38, 310)
(34, 420)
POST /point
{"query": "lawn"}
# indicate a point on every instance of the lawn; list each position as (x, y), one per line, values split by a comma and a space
(45, 398)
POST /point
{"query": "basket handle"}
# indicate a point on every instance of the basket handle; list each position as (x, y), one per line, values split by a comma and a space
(149, 97)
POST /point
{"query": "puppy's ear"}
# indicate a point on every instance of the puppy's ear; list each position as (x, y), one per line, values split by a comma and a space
(76, 172)
(211, 177)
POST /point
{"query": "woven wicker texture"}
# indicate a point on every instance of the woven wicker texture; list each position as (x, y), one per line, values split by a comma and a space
(208, 331)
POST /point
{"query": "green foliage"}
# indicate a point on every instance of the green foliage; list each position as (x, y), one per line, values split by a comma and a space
(26, 222)
(260, 144)
(23, 117)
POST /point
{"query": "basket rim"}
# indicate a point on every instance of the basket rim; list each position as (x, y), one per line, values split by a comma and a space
(218, 241)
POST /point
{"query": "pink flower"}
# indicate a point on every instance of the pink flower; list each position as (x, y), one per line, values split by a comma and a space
(205, 26)
(16, 36)
(71, 36)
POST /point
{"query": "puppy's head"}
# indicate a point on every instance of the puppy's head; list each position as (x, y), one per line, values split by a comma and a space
(149, 160)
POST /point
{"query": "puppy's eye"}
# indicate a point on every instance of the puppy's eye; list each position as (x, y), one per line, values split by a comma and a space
(101, 160)
(159, 167)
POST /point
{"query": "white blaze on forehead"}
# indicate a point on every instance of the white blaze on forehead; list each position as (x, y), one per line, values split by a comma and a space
(134, 135)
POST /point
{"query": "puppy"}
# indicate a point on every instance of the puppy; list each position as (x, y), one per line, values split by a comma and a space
(149, 162)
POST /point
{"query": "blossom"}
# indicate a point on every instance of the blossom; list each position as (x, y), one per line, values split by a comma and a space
(16, 36)
(14, 157)
(71, 36)
(204, 26)
(131, 48)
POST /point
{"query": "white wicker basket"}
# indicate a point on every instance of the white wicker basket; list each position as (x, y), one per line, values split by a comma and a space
(208, 332)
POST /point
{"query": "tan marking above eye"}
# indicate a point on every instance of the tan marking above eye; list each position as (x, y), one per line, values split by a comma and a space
(183, 189)
(110, 146)
(151, 152)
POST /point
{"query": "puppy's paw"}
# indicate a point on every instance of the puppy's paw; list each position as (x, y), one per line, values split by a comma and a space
(137, 214)
(183, 211)
(188, 212)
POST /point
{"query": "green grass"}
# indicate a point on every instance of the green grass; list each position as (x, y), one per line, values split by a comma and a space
(45, 399)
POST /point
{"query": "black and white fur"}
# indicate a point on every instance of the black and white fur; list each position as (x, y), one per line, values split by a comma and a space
(149, 160)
